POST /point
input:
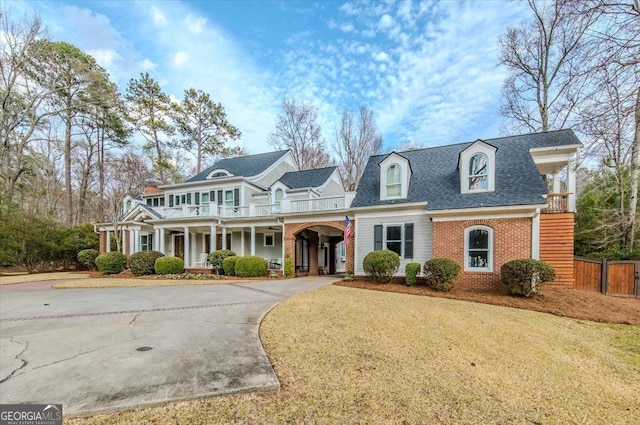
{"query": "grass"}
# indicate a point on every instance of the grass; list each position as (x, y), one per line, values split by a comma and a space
(346, 355)
(10, 279)
(131, 282)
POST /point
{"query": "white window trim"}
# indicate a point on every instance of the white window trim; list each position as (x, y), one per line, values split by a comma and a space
(463, 166)
(224, 201)
(273, 239)
(384, 236)
(470, 176)
(405, 176)
(490, 251)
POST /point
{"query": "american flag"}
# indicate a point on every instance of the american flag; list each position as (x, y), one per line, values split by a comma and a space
(347, 231)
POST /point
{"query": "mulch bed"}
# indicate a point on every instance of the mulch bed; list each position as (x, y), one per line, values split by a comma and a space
(573, 303)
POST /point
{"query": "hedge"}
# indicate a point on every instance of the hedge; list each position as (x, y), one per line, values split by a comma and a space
(169, 265)
(229, 265)
(251, 266)
(144, 262)
(440, 273)
(381, 265)
(525, 276)
(111, 262)
(217, 257)
(411, 272)
(87, 258)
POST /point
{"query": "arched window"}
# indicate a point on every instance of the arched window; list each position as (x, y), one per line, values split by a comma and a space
(478, 248)
(478, 175)
(278, 196)
(394, 187)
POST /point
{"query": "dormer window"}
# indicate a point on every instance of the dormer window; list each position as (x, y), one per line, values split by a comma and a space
(478, 179)
(394, 185)
(217, 173)
(477, 168)
(395, 175)
(278, 196)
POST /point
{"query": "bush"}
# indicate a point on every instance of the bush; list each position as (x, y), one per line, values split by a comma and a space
(229, 265)
(411, 272)
(289, 268)
(111, 262)
(525, 276)
(144, 262)
(440, 273)
(217, 257)
(87, 258)
(251, 266)
(381, 265)
(169, 265)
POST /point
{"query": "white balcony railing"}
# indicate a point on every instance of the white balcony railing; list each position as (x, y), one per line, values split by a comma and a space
(262, 210)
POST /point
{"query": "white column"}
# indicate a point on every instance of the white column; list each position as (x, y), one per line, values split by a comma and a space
(136, 240)
(156, 239)
(162, 245)
(132, 241)
(571, 187)
(122, 241)
(186, 247)
(283, 249)
(212, 244)
(224, 238)
(107, 246)
(242, 243)
(535, 235)
(253, 240)
(556, 183)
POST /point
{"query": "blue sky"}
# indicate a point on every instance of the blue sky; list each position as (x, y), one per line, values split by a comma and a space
(427, 69)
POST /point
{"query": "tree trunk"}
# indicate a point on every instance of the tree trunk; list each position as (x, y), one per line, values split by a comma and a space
(635, 175)
(67, 167)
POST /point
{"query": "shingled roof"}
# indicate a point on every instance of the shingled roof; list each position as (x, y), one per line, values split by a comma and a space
(307, 178)
(243, 166)
(436, 180)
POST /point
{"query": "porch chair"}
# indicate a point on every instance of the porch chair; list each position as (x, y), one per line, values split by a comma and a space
(203, 262)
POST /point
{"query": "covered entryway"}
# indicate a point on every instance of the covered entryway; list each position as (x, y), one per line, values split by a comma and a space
(315, 249)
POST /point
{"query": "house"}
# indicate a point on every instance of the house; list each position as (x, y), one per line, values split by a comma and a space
(479, 203)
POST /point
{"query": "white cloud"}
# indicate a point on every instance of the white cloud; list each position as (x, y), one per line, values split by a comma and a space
(180, 59)
(148, 65)
(386, 22)
(380, 57)
(158, 17)
(104, 57)
(195, 24)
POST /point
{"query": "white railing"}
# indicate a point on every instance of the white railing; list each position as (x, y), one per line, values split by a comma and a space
(261, 210)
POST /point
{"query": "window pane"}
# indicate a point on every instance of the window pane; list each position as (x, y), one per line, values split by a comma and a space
(278, 196)
(478, 164)
(394, 233)
(478, 259)
(393, 190)
(395, 247)
(205, 198)
(478, 239)
(228, 198)
(478, 183)
(393, 174)
(268, 240)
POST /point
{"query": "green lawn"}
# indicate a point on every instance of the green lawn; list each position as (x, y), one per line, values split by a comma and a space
(346, 355)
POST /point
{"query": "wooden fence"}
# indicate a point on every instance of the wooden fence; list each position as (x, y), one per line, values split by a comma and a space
(609, 277)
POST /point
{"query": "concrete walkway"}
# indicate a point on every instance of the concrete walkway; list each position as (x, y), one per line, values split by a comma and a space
(115, 348)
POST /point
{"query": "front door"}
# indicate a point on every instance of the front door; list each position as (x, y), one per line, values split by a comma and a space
(178, 242)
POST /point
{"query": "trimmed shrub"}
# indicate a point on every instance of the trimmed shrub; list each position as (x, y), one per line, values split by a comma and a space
(229, 265)
(251, 266)
(169, 265)
(411, 272)
(144, 262)
(217, 257)
(87, 258)
(441, 273)
(381, 265)
(289, 268)
(525, 276)
(111, 262)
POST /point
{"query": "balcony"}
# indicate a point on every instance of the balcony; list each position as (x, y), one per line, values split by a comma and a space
(287, 206)
(557, 203)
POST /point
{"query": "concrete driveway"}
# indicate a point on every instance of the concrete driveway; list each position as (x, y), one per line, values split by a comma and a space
(106, 349)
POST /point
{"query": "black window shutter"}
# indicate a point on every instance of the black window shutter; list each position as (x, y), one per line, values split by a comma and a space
(408, 240)
(219, 197)
(212, 196)
(236, 197)
(197, 194)
(189, 198)
(170, 200)
(377, 237)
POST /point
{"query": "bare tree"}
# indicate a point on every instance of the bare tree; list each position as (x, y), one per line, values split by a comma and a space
(297, 129)
(357, 139)
(546, 82)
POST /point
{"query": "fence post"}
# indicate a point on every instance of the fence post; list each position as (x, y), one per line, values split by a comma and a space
(604, 285)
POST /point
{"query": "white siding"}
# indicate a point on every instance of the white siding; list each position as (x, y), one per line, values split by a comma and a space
(273, 175)
(333, 188)
(422, 237)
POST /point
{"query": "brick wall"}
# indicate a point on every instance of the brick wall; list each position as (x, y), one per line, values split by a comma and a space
(103, 242)
(291, 230)
(511, 240)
